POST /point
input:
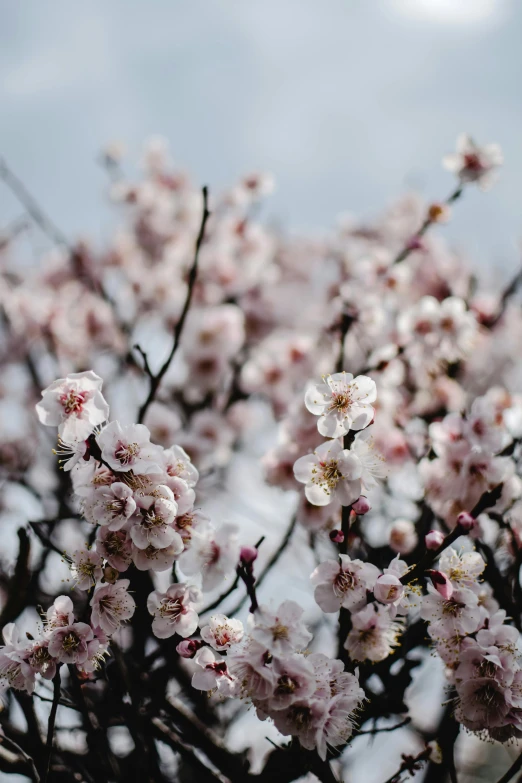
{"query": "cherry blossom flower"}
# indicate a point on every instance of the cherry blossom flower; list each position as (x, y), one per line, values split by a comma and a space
(111, 605)
(330, 473)
(222, 632)
(373, 635)
(343, 584)
(86, 568)
(115, 546)
(112, 507)
(70, 644)
(472, 163)
(249, 664)
(282, 631)
(153, 525)
(75, 405)
(403, 537)
(40, 661)
(15, 670)
(388, 589)
(174, 611)
(213, 553)
(59, 614)
(153, 559)
(177, 464)
(214, 675)
(128, 447)
(294, 681)
(342, 402)
(459, 614)
(338, 722)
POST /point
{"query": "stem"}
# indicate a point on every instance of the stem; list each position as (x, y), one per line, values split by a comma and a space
(52, 721)
(514, 768)
(429, 221)
(155, 379)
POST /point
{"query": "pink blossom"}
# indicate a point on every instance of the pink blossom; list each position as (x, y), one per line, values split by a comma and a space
(222, 632)
(75, 405)
(388, 589)
(86, 568)
(281, 631)
(111, 605)
(433, 539)
(214, 674)
(472, 163)
(330, 473)
(342, 402)
(70, 644)
(174, 611)
(343, 583)
(128, 447)
(112, 507)
(115, 546)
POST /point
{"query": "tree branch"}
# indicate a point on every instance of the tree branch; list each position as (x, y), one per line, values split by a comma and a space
(155, 379)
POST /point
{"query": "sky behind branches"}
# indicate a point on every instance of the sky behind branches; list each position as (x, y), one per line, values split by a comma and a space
(348, 103)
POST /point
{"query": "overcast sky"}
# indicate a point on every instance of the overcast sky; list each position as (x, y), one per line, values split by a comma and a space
(346, 102)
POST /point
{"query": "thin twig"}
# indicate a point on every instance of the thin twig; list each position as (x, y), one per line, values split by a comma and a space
(429, 221)
(32, 206)
(155, 379)
(514, 768)
(50, 726)
(271, 563)
(25, 756)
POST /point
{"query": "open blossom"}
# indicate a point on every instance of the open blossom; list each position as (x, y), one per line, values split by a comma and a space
(154, 559)
(337, 724)
(112, 506)
(342, 402)
(463, 569)
(111, 605)
(15, 670)
(373, 464)
(373, 635)
(330, 473)
(115, 546)
(214, 673)
(222, 631)
(213, 553)
(152, 525)
(472, 163)
(459, 614)
(388, 589)
(75, 405)
(174, 611)
(177, 463)
(249, 664)
(70, 644)
(86, 568)
(128, 447)
(40, 661)
(282, 631)
(343, 583)
(59, 614)
(294, 681)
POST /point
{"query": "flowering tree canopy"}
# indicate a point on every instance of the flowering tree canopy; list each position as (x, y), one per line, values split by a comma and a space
(382, 384)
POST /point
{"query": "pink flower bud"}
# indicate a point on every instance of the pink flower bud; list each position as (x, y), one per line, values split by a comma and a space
(337, 536)
(388, 589)
(188, 647)
(466, 521)
(248, 554)
(441, 583)
(361, 505)
(415, 243)
(434, 539)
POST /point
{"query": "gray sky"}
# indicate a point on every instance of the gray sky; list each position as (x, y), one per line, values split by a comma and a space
(347, 102)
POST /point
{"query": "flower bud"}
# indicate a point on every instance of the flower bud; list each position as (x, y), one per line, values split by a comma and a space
(403, 537)
(361, 505)
(415, 243)
(466, 521)
(337, 536)
(433, 539)
(188, 647)
(248, 554)
(439, 213)
(388, 589)
(435, 752)
(110, 574)
(441, 583)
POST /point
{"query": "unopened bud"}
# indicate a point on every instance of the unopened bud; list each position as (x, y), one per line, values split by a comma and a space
(248, 554)
(439, 213)
(433, 539)
(441, 583)
(337, 536)
(415, 243)
(188, 647)
(361, 505)
(466, 521)
(435, 752)
(110, 574)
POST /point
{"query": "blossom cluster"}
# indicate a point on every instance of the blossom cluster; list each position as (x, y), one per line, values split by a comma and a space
(410, 498)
